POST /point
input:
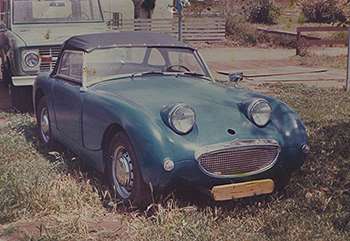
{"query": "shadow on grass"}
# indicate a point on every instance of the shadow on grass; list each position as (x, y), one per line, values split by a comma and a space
(66, 162)
(326, 170)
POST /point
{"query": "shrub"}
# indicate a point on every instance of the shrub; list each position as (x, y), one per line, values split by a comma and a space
(322, 11)
(246, 34)
(261, 11)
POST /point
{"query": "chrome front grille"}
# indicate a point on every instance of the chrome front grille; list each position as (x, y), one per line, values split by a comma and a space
(239, 157)
(51, 51)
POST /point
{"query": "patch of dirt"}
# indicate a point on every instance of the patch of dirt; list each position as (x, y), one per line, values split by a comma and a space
(19, 230)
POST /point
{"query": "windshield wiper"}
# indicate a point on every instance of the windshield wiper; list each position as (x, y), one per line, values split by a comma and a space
(152, 72)
(193, 74)
(197, 75)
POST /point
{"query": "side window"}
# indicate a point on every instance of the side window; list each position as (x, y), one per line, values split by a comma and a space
(71, 66)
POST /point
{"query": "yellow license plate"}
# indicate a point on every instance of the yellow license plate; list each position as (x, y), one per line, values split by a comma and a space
(243, 189)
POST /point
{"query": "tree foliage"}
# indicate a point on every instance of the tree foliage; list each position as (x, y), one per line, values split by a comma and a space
(322, 11)
(261, 11)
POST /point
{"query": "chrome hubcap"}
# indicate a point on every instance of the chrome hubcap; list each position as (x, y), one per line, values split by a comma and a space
(45, 125)
(123, 172)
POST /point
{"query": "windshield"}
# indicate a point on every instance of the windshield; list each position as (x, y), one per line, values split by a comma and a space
(65, 11)
(102, 63)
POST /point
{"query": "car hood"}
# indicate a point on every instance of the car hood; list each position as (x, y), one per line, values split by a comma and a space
(55, 34)
(218, 116)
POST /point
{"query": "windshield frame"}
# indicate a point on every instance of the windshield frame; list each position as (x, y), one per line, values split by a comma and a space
(97, 11)
(201, 63)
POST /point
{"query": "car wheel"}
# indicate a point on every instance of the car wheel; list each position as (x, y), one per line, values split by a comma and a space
(124, 173)
(43, 119)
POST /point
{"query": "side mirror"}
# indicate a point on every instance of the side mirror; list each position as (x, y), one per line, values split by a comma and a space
(235, 76)
(116, 22)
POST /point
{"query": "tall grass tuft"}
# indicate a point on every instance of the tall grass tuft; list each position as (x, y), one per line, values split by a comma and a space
(36, 184)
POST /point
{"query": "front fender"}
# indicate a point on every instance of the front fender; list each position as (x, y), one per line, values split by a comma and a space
(43, 86)
(100, 110)
(11, 45)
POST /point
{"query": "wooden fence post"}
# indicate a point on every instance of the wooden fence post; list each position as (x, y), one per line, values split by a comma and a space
(298, 39)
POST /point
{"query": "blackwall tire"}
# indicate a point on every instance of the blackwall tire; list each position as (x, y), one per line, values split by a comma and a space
(44, 123)
(124, 173)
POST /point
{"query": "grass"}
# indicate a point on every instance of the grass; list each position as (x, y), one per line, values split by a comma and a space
(310, 59)
(52, 195)
(36, 184)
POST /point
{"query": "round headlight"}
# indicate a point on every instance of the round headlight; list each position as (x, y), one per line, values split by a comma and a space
(182, 118)
(259, 112)
(31, 59)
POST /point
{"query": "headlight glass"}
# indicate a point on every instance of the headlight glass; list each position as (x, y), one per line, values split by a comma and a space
(182, 118)
(259, 112)
(31, 59)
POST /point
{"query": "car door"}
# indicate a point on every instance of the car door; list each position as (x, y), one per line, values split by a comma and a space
(68, 95)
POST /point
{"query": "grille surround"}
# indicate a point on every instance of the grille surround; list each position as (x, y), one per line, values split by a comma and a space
(238, 158)
(49, 51)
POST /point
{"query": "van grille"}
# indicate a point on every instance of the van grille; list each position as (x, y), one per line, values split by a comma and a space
(51, 51)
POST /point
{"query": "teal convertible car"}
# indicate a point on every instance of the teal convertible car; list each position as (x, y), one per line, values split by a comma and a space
(144, 109)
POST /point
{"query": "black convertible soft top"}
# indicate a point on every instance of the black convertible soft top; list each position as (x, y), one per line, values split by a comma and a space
(90, 42)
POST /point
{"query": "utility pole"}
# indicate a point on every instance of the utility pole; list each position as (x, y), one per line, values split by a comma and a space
(179, 12)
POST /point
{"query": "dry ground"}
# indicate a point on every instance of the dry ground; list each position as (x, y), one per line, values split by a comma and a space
(271, 61)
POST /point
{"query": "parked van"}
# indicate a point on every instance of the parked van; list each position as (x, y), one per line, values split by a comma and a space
(31, 34)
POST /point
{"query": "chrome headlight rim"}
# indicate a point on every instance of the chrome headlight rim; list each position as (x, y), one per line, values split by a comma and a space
(31, 59)
(172, 117)
(254, 112)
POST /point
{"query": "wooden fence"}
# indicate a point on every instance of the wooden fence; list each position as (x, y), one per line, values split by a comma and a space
(193, 29)
(301, 43)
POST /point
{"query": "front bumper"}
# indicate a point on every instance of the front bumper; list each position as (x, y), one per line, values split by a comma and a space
(242, 189)
(27, 80)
